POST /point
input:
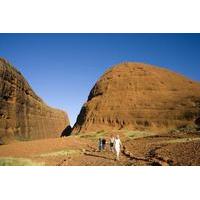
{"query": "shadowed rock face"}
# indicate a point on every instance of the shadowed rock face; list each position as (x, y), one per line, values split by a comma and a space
(197, 121)
(66, 132)
(139, 96)
(23, 115)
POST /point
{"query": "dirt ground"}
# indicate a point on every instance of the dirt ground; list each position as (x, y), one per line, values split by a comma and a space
(149, 150)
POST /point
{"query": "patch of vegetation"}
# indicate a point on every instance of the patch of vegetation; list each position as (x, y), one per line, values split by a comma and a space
(138, 134)
(188, 128)
(189, 115)
(10, 161)
(180, 140)
(93, 136)
(66, 152)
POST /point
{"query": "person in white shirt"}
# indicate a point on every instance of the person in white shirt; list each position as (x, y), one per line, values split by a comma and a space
(117, 146)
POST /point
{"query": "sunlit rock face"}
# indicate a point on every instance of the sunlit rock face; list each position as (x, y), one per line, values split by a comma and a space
(23, 115)
(137, 96)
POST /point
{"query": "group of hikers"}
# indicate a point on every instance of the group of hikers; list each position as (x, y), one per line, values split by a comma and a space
(114, 143)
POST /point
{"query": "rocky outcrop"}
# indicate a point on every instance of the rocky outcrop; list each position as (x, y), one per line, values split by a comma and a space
(132, 96)
(23, 115)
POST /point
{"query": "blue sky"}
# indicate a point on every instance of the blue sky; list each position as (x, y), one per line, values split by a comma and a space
(62, 68)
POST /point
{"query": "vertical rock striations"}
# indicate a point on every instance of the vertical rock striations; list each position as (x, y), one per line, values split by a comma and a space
(139, 96)
(23, 115)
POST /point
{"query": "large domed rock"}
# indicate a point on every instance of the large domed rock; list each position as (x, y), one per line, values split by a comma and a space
(23, 115)
(139, 96)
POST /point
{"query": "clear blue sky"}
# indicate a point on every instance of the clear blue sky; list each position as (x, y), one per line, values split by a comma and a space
(62, 68)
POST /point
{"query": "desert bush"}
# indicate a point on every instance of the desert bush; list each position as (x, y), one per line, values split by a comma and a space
(189, 115)
(187, 128)
(9, 161)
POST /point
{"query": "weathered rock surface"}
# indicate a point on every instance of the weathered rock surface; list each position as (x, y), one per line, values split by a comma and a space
(23, 115)
(139, 96)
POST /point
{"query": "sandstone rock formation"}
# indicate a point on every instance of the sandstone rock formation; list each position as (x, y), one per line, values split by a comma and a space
(23, 115)
(135, 96)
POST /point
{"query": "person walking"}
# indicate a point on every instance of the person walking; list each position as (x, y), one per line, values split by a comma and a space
(100, 144)
(103, 144)
(117, 146)
(112, 139)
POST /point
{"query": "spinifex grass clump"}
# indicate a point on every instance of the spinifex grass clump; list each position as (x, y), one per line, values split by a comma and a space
(92, 135)
(9, 161)
(66, 152)
(188, 128)
(138, 134)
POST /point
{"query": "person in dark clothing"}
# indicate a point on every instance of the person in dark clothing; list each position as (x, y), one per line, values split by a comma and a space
(103, 144)
(100, 144)
(112, 139)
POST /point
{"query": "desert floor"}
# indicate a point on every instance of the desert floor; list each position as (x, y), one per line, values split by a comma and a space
(139, 148)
